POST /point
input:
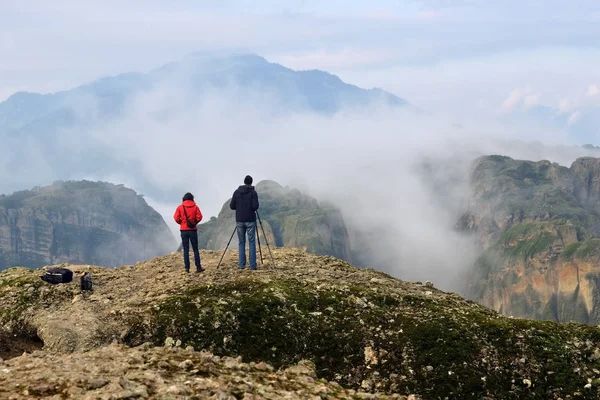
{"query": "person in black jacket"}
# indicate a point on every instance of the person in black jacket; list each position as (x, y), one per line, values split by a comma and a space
(245, 203)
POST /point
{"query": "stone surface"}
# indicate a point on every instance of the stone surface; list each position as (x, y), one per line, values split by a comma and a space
(108, 373)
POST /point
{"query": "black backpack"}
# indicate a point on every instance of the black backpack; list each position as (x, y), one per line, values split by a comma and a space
(57, 275)
(86, 282)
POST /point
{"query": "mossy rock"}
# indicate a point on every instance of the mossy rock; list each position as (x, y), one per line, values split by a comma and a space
(435, 347)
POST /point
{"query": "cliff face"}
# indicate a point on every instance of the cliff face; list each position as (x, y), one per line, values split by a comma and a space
(290, 219)
(537, 224)
(85, 222)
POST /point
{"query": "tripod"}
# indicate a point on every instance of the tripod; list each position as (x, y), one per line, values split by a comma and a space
(258, 239)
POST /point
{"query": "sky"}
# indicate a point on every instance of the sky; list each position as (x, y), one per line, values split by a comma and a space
(458, 57)
(465, 61)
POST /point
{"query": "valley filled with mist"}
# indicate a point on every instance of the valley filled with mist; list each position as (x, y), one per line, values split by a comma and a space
(399, 175)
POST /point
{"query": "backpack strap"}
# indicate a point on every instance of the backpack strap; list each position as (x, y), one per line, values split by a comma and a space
(189, 223)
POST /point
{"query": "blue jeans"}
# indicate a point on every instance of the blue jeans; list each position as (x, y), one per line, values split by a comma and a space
(242, 229)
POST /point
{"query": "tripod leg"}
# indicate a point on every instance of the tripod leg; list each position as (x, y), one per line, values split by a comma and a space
(223, 255)
(265, 236)
(259, 249)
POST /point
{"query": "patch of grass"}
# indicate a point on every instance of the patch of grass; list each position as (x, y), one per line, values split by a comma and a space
(523, 241)
(589, 249)
(570, 250)
(21, 280)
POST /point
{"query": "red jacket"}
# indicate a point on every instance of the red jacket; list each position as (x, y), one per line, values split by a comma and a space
(193, 214)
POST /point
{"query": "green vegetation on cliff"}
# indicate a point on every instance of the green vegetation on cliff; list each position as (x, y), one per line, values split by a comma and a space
(589, 249)
(526, 190)
(523, 241)
(539, 225)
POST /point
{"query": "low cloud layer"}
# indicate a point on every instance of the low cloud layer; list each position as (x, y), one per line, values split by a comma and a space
(400, 179)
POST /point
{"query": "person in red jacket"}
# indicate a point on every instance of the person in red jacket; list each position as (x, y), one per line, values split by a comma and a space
(188, 215)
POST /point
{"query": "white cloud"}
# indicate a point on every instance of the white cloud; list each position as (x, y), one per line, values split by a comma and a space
(374, 181)
(564, 105)
(512, 100)
(53, 41)
(347, 58)
(593, 90)
(523, 97)
(574, 117)
(431, 14)
(531, 100)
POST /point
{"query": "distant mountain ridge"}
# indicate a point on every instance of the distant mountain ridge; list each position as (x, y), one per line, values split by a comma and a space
(313, 90)
(61, 132)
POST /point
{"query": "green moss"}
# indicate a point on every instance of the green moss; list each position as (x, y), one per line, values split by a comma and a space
(12, 312)
(24, 291)
(262, 321)
(523, 241)
(570, 250)
(19, 280)
(519, 230)
(590, 249)
(444, 347)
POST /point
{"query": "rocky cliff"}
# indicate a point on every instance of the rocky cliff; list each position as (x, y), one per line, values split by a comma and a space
(290, 219)
(537, 224)
(313, 326)
(80, 221)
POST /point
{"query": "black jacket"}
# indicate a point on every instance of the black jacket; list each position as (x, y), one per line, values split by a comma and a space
(245, 203)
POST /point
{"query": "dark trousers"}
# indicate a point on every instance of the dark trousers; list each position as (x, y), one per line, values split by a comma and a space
(186, 238)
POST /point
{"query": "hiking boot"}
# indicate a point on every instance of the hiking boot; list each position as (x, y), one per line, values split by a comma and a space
(200, 269)
(187, 270)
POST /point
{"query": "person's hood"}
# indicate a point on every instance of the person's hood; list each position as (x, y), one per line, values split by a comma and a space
(245, 189)
(189, 203)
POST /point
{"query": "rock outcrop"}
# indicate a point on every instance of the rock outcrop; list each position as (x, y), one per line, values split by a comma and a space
(80, 222)
(146, 372)
(310, 318)
(290, 219)
(537, 224)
